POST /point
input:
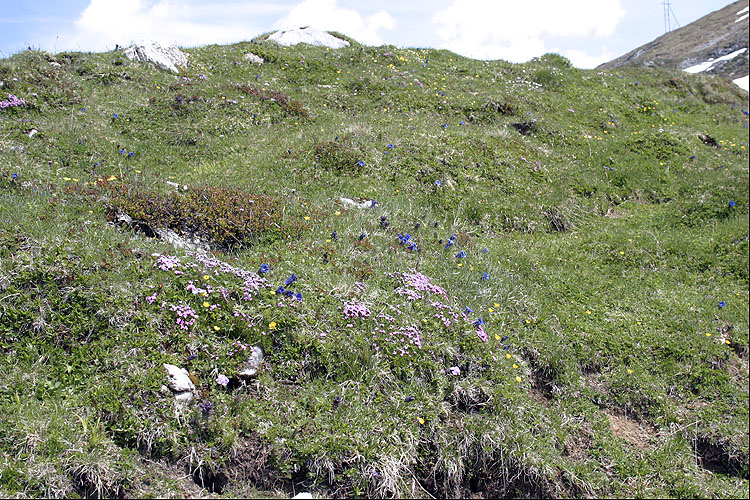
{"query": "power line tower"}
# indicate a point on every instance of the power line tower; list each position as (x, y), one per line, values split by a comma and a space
(668, 16)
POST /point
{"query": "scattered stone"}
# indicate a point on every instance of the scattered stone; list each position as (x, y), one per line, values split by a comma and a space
(178, 381)
(55, 64)
(252, 365)
(310, 36)
(168, 58)
(177, 241)
(33, 132)
(303, 495)
(254, 59)
(354, 204)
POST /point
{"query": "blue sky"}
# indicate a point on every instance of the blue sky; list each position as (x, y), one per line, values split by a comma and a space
(588, 32)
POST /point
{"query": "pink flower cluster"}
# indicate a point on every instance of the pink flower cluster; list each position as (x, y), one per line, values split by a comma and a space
(167, 262)
(355, 310)
(186, 316)
(11, 102)
(422, 283)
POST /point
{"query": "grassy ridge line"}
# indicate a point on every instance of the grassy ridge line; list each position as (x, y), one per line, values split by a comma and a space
(610, 243)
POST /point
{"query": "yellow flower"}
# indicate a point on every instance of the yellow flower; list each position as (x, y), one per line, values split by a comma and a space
(622, 253)
(515, 365)
(630, 371)
(708, 335)
(137, 171)
(217, 328)
(272, 325)
(206, 304)
(497, 337)
(459, 264)
(490, 309)
(496, 304)
(420, 420)
(528, 321)
(727, 342)
(507, 356)
(518, 379)
(337, 212)
(588, 312)
(112, 178)
(307, 218)
(206, 277)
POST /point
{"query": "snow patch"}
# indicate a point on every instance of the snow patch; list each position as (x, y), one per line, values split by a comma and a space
(743, 17)
(310, 36)
(705, 66)
(742, 82)
(743, 11)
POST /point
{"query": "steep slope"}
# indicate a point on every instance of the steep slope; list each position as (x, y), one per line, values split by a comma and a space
(714, 36)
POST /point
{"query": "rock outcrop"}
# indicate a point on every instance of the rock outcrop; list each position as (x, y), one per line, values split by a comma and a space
(308, 35)
(168, 58)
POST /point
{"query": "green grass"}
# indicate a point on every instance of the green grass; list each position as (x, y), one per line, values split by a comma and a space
(602, 221)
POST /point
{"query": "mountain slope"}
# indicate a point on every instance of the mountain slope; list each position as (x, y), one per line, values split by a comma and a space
(540, 289)
(717, 34)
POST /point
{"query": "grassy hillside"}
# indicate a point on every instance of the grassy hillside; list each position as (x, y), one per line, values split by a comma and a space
(545, 292)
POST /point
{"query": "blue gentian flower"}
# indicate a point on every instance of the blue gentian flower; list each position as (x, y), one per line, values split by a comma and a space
(692, 157)
(131, 154)
(362, 236)
(14, 175)
(280, 291)
(373, 203)
(732, 203)
(114, 115)
(438, 183)
(96, 164)
(335, 235)
(122, 151)
(291, 279)
(83, 109)
(449, 244)
(263, 269)
(298, 296)
(390, 146)
(361, 163)
(461, 255)
(468, 310)
(485, 250)
(505, 337)
(461, 123)
(478, 322)
(444, 125)
(453, 237)
(485, 276)
(412, 247)
(722, 304)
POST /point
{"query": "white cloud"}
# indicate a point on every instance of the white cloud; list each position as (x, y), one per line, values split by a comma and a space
(105, 23)
(584, 60)
(515, 31)
(327, 15)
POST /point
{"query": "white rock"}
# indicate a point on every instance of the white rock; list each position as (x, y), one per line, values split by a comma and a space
(310, 36)
(253, 58)
(351, 203)
(178, 379)
(33, 132)
(169, 58)
(55, 64)
(252, 365)
(178, 241)
(303, 495)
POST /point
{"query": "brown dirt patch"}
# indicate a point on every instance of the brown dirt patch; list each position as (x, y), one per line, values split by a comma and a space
(627, 428)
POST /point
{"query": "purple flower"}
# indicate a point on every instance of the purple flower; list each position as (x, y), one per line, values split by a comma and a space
(454, 370)
(222, 380)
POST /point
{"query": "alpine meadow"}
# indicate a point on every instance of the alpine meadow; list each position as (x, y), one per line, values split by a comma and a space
(370, 272)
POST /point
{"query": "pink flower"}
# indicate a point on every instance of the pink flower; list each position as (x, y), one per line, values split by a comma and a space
(454, 370)
(222, 380)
